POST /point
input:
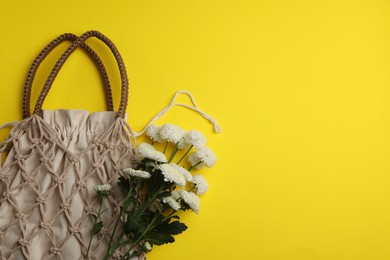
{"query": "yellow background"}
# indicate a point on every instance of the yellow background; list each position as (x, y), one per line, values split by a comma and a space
(301, 89)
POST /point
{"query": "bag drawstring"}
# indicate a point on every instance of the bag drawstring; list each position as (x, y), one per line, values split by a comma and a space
(8, 125)
(194, 107)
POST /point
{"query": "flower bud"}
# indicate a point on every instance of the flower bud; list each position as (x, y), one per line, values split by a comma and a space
(147, 247)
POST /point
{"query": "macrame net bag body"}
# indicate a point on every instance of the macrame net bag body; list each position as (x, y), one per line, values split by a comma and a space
(52, 161)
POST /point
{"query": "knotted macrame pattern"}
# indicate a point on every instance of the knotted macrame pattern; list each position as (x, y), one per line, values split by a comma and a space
(51, 165)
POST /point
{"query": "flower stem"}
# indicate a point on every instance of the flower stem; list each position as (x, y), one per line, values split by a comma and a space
(167, 217)
(147, 229)
(185, 154)
(165, 147)
(148, 203)
(113, 233)
(118, 244)
(129, 194)
(192, 188)
(174, 152)
(94, 224)
(192, 167)
(134, 244)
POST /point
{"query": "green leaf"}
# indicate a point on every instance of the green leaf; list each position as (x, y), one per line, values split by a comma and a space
(97, 227)
(173, 228)
(136, 225)
(155, 182)
(124, 184)
(131, 225)
(159, 219)
(156, 238)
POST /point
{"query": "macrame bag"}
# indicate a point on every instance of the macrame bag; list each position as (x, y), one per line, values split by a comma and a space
(53, 161)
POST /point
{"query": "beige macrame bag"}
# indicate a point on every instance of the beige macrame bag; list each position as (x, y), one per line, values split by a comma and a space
(54, 159)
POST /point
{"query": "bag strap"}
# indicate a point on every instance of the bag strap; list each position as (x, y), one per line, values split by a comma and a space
(45, 52)
(77, 43)
(194, 107)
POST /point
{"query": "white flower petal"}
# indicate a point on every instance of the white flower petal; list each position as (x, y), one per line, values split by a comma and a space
(103, 187)
(172, 175)
(200, 184)
(187, 175)
(171, 133)
(175, 195)
(194, 159)
(207, 156)
(153, 133)
(172, 202)
(191, 199)
(137, 173)
(194, 138)
(103, 190)
(145, 150)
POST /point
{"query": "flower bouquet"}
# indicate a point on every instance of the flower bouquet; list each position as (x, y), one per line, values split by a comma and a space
(155, 191)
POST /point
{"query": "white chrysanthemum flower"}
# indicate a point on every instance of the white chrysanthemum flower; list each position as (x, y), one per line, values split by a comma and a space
(145, 150)
(182, 144)
(103, 190)
(172, 175)
(187, 175)
(153, 133)
(175, 195)
(194, 138)
(207, 156)
(200, 184)
(191, 199)
(172, 200)
(103, 187)
(195, 161)
(171, 133)
(137, 173)
(204, 155)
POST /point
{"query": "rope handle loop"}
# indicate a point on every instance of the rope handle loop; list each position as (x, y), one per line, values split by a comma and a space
(61, 61)
(194, 107)
(45, 52)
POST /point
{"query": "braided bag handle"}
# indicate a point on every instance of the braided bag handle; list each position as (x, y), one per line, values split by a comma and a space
(45, 52)
(77, 43)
